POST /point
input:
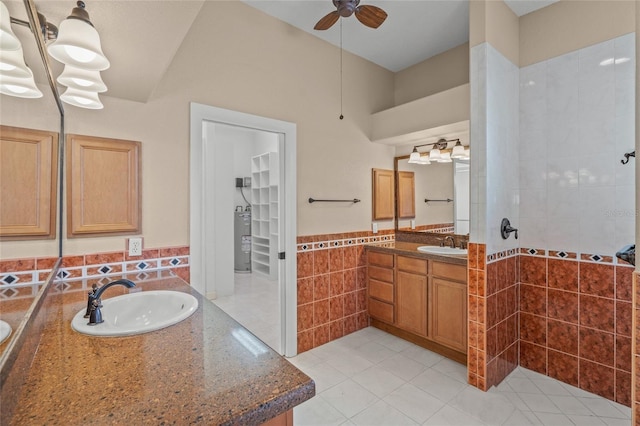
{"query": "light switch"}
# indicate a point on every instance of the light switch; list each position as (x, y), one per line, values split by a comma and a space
(374, 227)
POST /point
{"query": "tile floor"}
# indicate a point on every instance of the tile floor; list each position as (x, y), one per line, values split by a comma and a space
(373, 378)
(255, 305)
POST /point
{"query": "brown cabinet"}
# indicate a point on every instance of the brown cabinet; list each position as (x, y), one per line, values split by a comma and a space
(449, 308)
(103, 181)
(29, 177)
(381, 286)
(406, 195)
(421, 300)
(383, 194)
(411, 290)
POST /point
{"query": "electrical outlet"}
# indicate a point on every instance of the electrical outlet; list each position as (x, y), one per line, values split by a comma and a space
(135, 246)
(374, 227)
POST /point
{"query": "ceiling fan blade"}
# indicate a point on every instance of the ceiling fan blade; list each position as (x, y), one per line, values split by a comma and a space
(371, 16)
(327, 21)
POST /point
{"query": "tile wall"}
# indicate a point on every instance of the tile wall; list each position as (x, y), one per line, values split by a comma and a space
(18, 276)
(332, 285)
(576, 320)
(577, 119)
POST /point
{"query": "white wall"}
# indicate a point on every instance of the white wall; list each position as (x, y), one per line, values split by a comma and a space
(494, 147)
(577, 120)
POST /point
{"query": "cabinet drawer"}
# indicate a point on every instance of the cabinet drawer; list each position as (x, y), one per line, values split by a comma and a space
(412, 264)
(447, 270)
(380, 310)
(380, 290)
(381, 274)
(380, 259)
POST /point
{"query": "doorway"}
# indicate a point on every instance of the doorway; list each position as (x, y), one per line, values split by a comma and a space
(224, 144)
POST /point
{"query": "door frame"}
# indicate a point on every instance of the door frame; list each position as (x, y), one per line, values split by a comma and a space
(201, 274)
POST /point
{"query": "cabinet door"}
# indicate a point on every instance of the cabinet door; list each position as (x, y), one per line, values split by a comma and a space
(449, 314)
(103, 186)
(406, 195)
(383, 198)
(28, 177)
(411, 302)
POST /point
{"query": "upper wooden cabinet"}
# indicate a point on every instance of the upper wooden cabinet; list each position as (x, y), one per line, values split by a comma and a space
(28, 183)
(406, 195)
(383, 197)
(103, 181)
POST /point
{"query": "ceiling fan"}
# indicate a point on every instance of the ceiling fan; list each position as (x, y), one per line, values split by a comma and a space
(371, 16)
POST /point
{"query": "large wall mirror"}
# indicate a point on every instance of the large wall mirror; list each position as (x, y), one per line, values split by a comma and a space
(44, 113)
(440, 194)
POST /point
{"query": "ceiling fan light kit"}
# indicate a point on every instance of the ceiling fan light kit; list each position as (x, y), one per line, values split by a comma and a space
(76, 44)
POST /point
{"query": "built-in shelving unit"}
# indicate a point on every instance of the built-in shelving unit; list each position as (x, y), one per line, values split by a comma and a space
(264, 214)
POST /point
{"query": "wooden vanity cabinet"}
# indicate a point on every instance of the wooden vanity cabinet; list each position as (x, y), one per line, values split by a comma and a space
(421, 300)
(381, 286)
(449, 305)
(411, 290)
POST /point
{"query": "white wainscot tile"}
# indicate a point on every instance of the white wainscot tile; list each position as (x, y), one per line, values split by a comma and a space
(533, 173)
(562, 172)
(624, 134)
(597, 132)
(592, 56)
(597, 236)
(563, 234)
(625, 95)
(624, 201)
(532, 232)
(563, 202)
(562, 136)
(596, 201)
(625, 232)
(598, 170)
(533, 203)
(564, 68)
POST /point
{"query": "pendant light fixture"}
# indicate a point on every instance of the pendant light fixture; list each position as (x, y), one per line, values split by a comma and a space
(76, 44)
(458, 150)
(21, 87)
(439, 153)
(8, 40)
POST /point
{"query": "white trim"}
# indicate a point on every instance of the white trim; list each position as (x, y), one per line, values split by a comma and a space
(288, 298)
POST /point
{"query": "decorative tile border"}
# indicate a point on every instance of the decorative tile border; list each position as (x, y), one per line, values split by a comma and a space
(24, 273)
(341, 242)
(556, 254)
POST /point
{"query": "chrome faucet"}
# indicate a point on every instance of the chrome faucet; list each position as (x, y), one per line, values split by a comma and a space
(449, 238)
(94, 303)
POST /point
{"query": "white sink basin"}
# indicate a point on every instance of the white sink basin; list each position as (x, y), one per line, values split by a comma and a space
(443, 250)
(5, 331)
(138, 313)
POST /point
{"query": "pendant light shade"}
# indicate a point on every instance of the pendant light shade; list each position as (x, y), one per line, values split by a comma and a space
(445, 157)
(82, 79)
(415, 156)
(21, 87)
(81, 98)
(12, 64)
(8, 40)
(78, 42)
(458, 151)
(434, 154)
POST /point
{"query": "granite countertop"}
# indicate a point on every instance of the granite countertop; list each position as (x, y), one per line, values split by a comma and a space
(206, 369)
(402, 247)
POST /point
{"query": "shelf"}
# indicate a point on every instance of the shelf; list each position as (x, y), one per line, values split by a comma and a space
(264, 206)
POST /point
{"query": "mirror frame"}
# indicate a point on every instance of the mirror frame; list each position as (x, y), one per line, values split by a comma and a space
(19, 335)
(396, 161)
